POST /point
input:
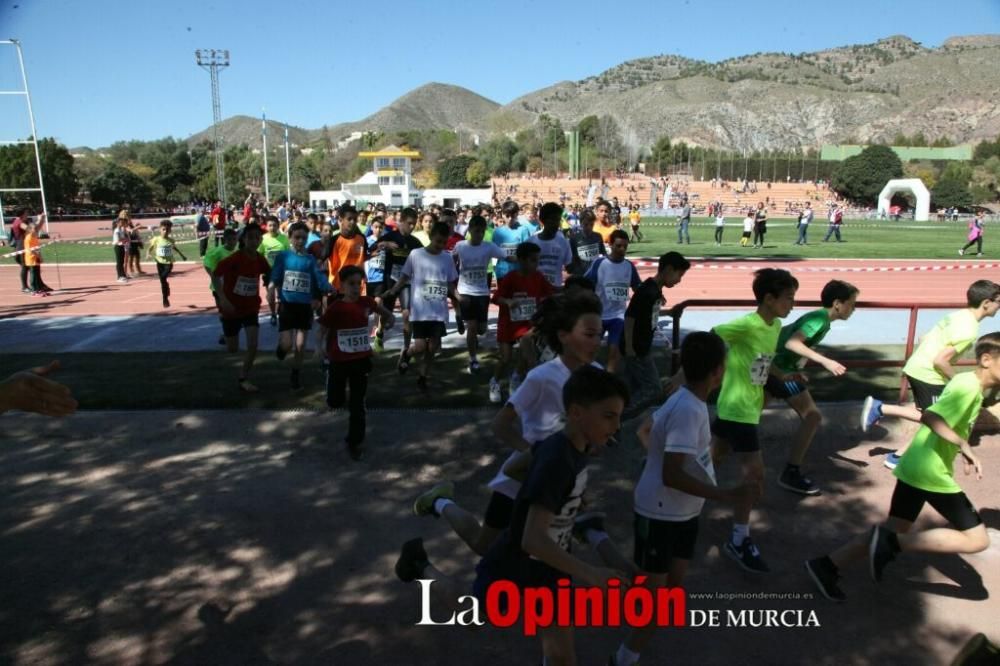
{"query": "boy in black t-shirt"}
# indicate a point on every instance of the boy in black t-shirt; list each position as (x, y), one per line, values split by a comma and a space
(586, 244)
(641, 375)
(534, 551)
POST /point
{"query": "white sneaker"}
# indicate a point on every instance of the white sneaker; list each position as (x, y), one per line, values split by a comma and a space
(961, 252)
(496, 397)
(515, 381)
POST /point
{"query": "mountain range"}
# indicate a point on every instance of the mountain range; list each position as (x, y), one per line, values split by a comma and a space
(765, 101)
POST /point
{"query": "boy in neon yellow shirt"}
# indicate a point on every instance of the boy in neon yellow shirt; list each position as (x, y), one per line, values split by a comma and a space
(272, 244)
(930, 367)
(752, 341)
(925, 475)
(212, 258)
(161, 249)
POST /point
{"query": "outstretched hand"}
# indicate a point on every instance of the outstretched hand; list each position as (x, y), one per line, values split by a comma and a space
(31, 391)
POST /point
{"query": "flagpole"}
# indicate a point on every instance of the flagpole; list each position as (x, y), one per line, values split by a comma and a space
(263, 132)
(288, 170)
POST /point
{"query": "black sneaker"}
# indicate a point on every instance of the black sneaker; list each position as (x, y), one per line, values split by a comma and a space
(356, 451)
(460, 326)
(412, 561)
(422, 384)
(747, 555)
(824, 573)
(403, 364)
(166, 302)
(280, 352)
(593, 520)
(882, 548)
(792, 479)
(274, 320)
(296, 381)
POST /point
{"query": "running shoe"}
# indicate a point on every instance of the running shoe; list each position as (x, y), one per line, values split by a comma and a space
(378, 343)
(412, 561)
(515, 382)
(274, 320)
(473, 367)
(891, 460)
(424, 504)
(403, 364)
(792, 479)
(355, 450)
(882, 548)
(871, 413)
(247, 387)
(496, 394)
(166, 302)
(823, 572)
(460, 326)
(747, 555)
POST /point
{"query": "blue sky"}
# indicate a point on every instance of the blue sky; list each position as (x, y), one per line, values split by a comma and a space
(106, 70)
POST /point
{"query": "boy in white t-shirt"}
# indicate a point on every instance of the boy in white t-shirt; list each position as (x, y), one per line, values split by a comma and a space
(613, 276)
(431, 272)
(720, 224)
(677, 478)
(557, 255)
(747, 230)
(473, 258)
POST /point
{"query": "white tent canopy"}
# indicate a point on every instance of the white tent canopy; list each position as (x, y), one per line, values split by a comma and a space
(912, 185)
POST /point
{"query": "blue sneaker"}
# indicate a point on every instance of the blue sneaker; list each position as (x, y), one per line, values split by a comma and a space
(746, 555)
(891, 460)
(870, 413)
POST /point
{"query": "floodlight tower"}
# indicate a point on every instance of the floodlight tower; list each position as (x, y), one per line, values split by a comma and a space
(213, 60)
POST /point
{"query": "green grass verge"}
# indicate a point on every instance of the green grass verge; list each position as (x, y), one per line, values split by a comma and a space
(207, 380)
(862, 240)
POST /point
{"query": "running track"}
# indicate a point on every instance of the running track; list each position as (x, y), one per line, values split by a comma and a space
(92, 289)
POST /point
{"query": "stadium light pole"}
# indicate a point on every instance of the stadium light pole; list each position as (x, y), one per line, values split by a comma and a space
(288, 171)
(212, 60)
(263, 132)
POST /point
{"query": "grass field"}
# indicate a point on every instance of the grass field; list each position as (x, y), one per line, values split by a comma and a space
(198, 380)
(862, 240)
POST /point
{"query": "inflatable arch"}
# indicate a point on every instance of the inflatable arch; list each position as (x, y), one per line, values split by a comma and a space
(912, 185)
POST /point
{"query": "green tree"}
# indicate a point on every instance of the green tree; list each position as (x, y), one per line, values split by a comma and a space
(588, 127)
(550, 132)
(18, 169)
(118, 185)
(951, 191)
(477, 174)
(660, 156)
(498, 155)
(452, 172)
(984, 150)
(862, 177)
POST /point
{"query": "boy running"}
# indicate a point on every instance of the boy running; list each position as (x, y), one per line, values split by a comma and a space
(474, 257)
(235, 279)
(398, 244)
(344, 342)
(298, 280)
(161, 249)
(925, 475)
(587, 244)
(272, 244)
(643, 313)
(634, 219)
(347, 248)
(752, 341)
(508, 236)
(432, 274)
(795, 348)
(677, 478)
(747, 229)
(212, 258)
(535, 550)
(930, 367)
(556, 255)
(613, 276)
(518, 294)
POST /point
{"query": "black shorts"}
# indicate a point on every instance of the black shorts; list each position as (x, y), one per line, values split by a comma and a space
(404, 298)
(659, 541)
(474, 308)
(375, 289)
(428, 330)
(742, 437)
(784, 390)
(956, 508)
(295, 317)
(924, 394)
(499, 511)
(231, 327)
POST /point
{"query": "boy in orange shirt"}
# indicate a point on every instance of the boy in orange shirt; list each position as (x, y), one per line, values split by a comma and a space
(348, 248)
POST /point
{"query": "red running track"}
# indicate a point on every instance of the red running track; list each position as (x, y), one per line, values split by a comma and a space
(92, 289)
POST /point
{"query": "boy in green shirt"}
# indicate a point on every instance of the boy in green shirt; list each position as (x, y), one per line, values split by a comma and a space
(212, 258)
(795, 348)
(272, 244)
(925, 475)
(751, 341)
(162, 249)
(930, 367)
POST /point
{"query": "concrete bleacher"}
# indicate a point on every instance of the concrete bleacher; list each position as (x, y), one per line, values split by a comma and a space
(781, 198)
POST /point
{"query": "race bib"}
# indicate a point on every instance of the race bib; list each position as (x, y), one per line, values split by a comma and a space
(377, 262)
(165, 251)
(298, 282)
(245, 286)
(588, 252)
(523, 309)
(354, 340)
(434, 290)
(396, 272)
(474, 276)
(616, 292)
(759, 369)
(705, 462)
(510, 249)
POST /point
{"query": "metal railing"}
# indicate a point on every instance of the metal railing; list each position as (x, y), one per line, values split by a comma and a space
(677, 311)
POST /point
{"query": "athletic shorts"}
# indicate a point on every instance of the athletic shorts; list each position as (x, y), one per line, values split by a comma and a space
(924, 394)
(295, 317)
(956, 508)
(231, 327)
(659, 541)
(784, 390)
(742, 437)
(615, 328)
(376, 289)
(474, 308)
(499, 511)
(746, 234)
(404, 299)
(427, 330)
